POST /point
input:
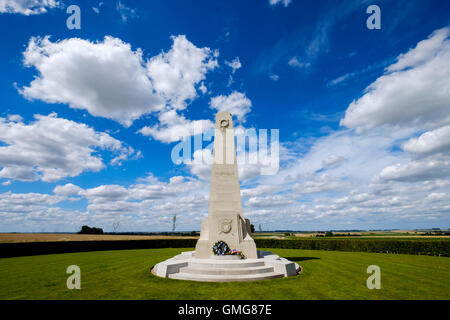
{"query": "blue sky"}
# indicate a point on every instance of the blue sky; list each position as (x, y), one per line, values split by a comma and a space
(89, 117)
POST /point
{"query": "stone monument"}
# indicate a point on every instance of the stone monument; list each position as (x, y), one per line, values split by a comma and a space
(225, 251)
(225, 221)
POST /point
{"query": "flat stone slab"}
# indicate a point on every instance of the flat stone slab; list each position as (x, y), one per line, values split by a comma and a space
(186, 267)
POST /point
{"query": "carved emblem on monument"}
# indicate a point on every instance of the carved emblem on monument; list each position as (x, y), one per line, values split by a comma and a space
(224, 123)
(225, 225)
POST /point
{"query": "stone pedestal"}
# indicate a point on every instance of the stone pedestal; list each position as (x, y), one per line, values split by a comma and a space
(226, 268)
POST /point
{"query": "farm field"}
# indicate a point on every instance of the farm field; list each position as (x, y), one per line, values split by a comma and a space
(43, 237)
(125, 274)
(397, 234)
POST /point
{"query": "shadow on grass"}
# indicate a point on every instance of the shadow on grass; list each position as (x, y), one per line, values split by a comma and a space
(301, 258)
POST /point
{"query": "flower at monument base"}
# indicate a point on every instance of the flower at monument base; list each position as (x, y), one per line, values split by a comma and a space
(220, 248)
(236, 253)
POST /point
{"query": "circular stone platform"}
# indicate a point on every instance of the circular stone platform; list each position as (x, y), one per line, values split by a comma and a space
(226, 268)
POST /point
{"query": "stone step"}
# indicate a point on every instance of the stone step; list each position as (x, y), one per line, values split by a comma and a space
(225, 271)
(224, 264)
(224, 277)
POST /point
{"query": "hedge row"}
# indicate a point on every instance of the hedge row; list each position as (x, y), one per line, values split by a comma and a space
(420, 247)
(38, 248)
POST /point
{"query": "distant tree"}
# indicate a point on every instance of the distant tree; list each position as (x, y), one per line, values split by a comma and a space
(252, 228)
(89, 230)
(328, 234)
(193, 233)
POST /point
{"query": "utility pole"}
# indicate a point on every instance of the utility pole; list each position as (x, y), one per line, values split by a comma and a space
(174, 220)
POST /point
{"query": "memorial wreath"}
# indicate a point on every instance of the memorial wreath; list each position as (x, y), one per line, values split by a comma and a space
(221, 248)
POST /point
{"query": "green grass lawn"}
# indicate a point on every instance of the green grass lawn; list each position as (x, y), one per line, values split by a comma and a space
(126, 275)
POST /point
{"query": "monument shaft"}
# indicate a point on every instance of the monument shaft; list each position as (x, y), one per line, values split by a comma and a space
(225, 221)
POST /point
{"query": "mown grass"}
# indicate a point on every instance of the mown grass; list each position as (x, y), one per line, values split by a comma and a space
(125, 274)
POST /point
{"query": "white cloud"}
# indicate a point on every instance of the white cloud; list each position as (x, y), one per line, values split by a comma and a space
(434, 196)
(234, 65)
(430, 142)
(38, 212)
(274, 77)
(321, 183)
(202, 88)
(418, 170)
(259, 190)
(176, 73)
(97, 9)
(145, 200)
(413, 92)
(341, 79)
(236, 103)
(27, 7)
(105, 78)
(201, 163)
(283, 2)
(52, 148)
(107, 193)
(269, 201)
(125, 12)
(110, 80)
(173, 127)
(332, 161)
(67, 190)
(294, 62)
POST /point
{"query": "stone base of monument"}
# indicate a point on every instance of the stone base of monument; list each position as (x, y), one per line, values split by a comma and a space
(226, 268)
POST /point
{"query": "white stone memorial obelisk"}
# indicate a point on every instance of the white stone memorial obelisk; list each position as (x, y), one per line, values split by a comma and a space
(225, 221)
(225, 224)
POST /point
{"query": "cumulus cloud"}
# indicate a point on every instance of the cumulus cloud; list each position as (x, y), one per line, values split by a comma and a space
(173, 127)
(414, 91)
(418, 170)
(150, 197)
(201, 163)
(409, 102)
(176, 73)
(52, 148)
(433, 141)
(108, 79)
(236, 103)
(38, 212)
(27, 7)
(67, 190)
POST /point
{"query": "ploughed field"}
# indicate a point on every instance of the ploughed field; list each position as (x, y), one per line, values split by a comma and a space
(125, 274)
